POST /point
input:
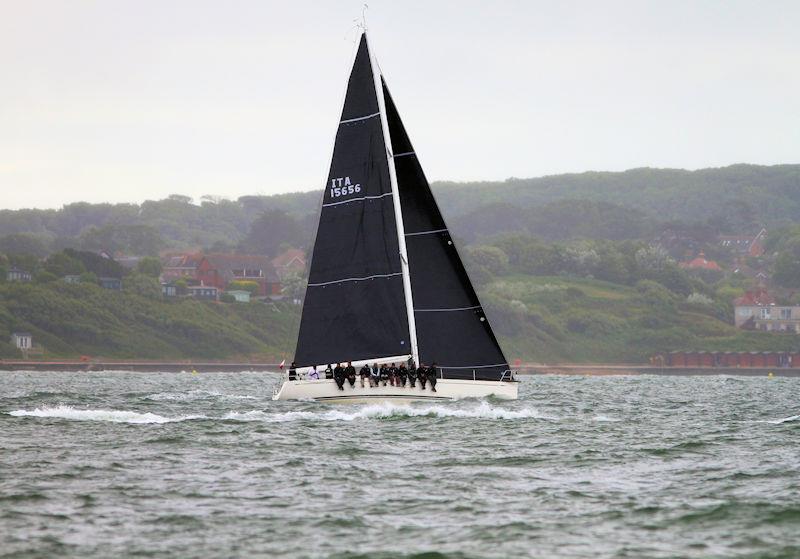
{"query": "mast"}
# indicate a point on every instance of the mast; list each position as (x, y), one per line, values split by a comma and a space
(398, 211)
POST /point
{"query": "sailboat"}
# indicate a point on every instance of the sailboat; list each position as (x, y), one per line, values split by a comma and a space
(386, 283)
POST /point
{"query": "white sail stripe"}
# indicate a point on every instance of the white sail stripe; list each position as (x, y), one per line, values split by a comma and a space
(473, 366)
(354, 279)
(403, 154)
(448, 310)
(426, 232)
(355, 200)
(359, 118)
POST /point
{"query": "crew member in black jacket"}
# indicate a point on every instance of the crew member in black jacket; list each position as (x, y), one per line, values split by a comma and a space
(422, 375)
(384, 373)
(402, 374)
(364, 374)
(412, 373)
(338, 376)
(350, 373)
(433, 372)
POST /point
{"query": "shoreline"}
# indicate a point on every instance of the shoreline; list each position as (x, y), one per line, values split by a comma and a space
(527, 369)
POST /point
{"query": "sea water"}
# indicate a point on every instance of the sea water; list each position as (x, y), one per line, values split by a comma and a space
(123, 464)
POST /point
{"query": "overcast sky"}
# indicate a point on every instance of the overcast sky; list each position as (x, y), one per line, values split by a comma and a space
(123, 101)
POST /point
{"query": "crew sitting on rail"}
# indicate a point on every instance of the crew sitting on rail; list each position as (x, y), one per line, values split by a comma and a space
(364, 374)
(328, 372)
(412, 373)
(422, 375)
(313, 374)
(384, 374)
(374, 375)
(338, 376)
(350, 373)
(292, 371)
(432, 372)
(402, 374)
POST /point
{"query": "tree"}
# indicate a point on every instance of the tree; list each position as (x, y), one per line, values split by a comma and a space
(143, 285)
(269, 231)
(149, 266)
(787, 264)
(62, 264)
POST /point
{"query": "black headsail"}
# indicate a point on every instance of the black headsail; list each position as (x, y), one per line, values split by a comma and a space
(451, 327)
(355, 306)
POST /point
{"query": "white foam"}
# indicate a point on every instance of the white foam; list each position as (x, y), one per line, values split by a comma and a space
(483, 410)
(605, 418)
(113, 416)
(784, 420)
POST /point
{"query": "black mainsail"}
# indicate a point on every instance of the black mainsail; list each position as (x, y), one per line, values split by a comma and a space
(355, 306)
(387, 281)
(451, 327)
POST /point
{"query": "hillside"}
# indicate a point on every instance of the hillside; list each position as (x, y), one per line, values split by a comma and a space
(556, 319)
(623, 205)
(83, 319)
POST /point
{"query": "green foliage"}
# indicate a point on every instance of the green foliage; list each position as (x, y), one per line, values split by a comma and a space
(83, 319)
(128, 239)
(227, 298)
(98, 265)
(244, 285)
(149, 266)
(143, 285)
(270, 231)
(62, 264)
(25, 243)
(43, 276)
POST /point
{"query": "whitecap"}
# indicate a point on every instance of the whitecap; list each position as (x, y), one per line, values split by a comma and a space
(605, 418)
(784, 420)
(483, 410)
(113, 416)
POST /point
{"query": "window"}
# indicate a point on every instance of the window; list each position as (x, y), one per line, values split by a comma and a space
(786, 314)
(765, 313)
(744, 311)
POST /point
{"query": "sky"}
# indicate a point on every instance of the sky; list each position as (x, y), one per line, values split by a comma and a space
(123, 101)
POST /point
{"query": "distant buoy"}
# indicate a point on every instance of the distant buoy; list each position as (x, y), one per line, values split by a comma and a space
(770, 374)
(194, 371)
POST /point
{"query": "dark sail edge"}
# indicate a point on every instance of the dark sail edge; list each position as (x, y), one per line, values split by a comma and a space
(451, 327)
(354, 307)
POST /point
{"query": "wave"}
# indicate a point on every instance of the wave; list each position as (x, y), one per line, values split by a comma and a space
(483, 410)
(605, 418)
(113, 416)
(784, 420)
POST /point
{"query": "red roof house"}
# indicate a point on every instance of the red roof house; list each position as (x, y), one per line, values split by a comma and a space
(292, 261)
(700, 263)
(755, 298)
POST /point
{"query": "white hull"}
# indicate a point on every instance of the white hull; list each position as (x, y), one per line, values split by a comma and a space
(446, 389)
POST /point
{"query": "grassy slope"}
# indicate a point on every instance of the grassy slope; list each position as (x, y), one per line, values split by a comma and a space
(595, 321)
(72, 320)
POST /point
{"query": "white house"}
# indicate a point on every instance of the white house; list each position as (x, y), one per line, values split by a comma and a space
(22, 340)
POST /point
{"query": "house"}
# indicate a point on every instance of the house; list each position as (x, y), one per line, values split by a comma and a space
(110, 283)
(203, 292)
(169, 290)
(700, 263)
(179, 266)
(292, 261)
(745, 245)
(221, 269)
(240, 295)
(18, 274)
(757, 310)
(22, 340)
(71, 278)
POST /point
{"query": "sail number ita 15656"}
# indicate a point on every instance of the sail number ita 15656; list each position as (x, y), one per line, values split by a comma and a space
(342, 186)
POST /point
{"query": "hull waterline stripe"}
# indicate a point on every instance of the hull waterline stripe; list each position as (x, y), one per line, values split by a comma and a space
(354, 279)
(473, 366)
(373, 115)
(426, 232)
(448, 310)
(356, 200)
(413, 396)
(403, 154)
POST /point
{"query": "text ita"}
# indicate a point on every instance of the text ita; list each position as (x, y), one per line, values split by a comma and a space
(342, 186)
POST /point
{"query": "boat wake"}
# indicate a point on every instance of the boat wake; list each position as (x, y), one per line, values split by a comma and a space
(195, 395)
(113, 416)
(483, 410)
